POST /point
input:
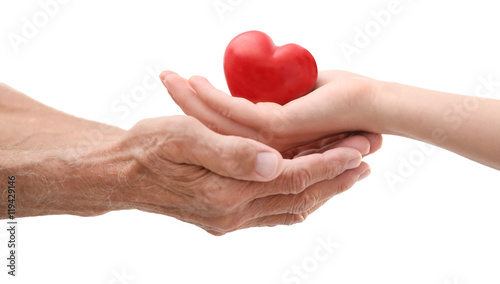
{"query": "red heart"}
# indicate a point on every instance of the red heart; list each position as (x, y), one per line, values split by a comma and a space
(259, 71)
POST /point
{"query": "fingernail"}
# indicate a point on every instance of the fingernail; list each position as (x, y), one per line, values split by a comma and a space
(163, 74)
(367, 151)
(266, 164)
(352, 164)
(364, 175)
(164, 81)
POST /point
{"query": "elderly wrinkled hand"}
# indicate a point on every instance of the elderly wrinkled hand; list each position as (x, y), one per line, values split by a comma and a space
(224, 183)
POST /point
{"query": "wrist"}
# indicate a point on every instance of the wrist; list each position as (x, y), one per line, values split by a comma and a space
(100, 177)
(383, 105)
(365, 106)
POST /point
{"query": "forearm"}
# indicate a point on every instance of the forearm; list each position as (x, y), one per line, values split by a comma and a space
(28, 124)
(63, 181)
(469, 126)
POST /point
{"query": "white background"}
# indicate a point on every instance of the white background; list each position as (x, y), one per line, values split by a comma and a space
(440, 225)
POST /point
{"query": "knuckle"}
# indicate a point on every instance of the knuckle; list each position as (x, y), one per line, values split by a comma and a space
(216, 200)
(304, 202)
(226, 113)
(265, 135)
(300, 180)
(224, 224)
(291, 219)
(303, 216)
(334, 169)
(345, 185)
(238, 157)
(212, 126)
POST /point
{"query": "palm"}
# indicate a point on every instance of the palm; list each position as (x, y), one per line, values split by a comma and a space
(297, 127)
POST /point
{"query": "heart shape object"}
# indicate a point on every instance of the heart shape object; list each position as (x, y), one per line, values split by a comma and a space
(259, 71)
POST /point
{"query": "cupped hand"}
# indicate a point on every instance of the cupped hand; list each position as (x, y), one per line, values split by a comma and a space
(339, 106)
(225, 183)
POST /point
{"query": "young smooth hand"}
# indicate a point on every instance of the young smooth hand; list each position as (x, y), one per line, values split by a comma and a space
(344, 102)
(336, 107)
